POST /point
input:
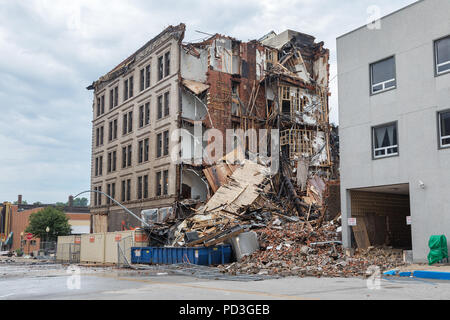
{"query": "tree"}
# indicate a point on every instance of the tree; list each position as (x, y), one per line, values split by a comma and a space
(23, 202)
(80, 202)
(54, 219)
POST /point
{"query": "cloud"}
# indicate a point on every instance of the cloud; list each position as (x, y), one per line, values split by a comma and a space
(51, 50)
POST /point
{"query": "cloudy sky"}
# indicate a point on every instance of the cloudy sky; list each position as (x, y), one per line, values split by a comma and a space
(51, 50)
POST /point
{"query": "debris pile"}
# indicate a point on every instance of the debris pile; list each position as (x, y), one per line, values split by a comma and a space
(292, 249)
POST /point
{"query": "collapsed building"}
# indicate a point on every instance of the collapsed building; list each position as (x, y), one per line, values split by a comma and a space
(279, 82)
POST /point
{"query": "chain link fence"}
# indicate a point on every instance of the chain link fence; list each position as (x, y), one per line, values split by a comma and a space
(68, 253)
(124, 252)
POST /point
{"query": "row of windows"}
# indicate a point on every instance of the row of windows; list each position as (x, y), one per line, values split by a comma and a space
(142, 188)
(385, 137)
(383, 73)
(128, 84)
(163, 110)
(162, 149)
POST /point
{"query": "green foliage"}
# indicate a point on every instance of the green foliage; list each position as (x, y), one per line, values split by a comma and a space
(80, 202)
(23, 202)
(54, 219)
(19, 252)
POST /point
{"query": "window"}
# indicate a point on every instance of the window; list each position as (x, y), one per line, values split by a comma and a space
(160, 68)
(98, 107)
(162, 183)
(128, 189)
(127, 123)
(126, 156)
(442, 52)
(113, 191)
(142, 78)
(128, 88)
(123, 193)
(139, 188)
(112, 161)
(166, 143)
(144, 115)
(147, 113)
(108, 192)
(111, 99)
(142, 187)
(160, 107)
(102, 103)
(116, 96)
(167, 64)
(99, 196)
(444, 129)
(113, 130)
(145, 187)
(158, 184)
(141, 116)
(147, 77)
(99, 136)
(166, 104)
(166, 182)
(143, 150)
(382, 75)
(99, 166)
(385, 141)
(159, 145)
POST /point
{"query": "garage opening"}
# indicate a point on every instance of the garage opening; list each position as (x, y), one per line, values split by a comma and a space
(381, 214)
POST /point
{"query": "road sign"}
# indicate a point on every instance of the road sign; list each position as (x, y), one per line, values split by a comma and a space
(29, 236)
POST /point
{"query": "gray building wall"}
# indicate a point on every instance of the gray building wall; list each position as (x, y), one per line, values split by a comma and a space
(408, 34)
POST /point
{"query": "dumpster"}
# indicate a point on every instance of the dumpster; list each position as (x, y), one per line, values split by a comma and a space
(200, 256)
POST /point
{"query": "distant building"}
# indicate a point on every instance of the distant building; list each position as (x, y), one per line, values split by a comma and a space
(394, 126)
(79, 219)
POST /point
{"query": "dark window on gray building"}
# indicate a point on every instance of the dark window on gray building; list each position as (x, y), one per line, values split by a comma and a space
(385, 141)
(442, 51)
(160, 107)
(444, 129)
(167, 64)
(382, 75)
(166, 103)
(160, 68)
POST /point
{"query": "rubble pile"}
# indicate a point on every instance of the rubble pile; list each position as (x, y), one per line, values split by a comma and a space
(296, 233)
(292, 249)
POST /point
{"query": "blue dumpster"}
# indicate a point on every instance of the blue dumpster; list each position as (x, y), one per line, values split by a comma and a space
(200, 256)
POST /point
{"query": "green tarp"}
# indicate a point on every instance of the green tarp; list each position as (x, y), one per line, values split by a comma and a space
(438, 249)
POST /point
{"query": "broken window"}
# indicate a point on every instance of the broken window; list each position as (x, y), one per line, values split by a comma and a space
(235, 98)
(442, 50)
(444, 129)
(382, 75)
(285, 100)
(385, 141)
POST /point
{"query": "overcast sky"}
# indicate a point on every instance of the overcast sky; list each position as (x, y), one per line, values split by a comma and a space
(51, 50)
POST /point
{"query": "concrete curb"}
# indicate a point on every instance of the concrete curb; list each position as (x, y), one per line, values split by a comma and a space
(435, 275)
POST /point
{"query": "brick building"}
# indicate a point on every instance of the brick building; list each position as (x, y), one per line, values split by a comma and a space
(276, 82)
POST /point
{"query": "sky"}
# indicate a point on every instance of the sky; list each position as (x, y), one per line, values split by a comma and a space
(51, 50)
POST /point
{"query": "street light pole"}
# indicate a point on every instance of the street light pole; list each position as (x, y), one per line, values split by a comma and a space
(116, 202)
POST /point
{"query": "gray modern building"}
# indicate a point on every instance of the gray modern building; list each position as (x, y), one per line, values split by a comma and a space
(394, 114)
